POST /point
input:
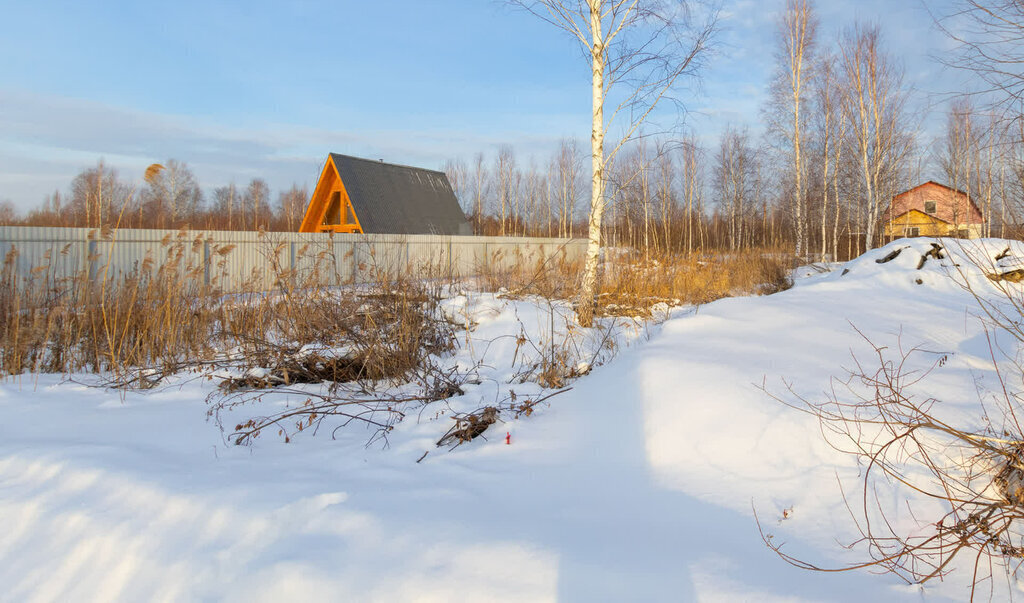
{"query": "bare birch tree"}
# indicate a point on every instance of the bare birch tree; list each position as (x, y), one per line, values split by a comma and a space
(643, 197)
(995, 150)
(989, 36)
(458, 176)
(505, 172)
(257, 203)
(97, 197)
(874, 103)
(830, 141)
(666, 200)
(736, 179)
(291, 205)
(836, 180)
(480, 182)
(691, 190)
(566, 176)
(226, 206)
(172, 195)
(533, 193)
(637, 50)
(960, 156)
(797, 30)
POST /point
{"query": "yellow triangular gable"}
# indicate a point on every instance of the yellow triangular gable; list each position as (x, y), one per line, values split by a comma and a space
(330, 209)
(915, 216)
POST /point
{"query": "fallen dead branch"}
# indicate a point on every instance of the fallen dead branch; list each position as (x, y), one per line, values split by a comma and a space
(469, 426)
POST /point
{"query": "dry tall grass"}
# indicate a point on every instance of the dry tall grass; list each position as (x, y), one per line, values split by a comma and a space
(631, 284)
(155, 315)
(164, 317)
(159, 319)
(635, 284)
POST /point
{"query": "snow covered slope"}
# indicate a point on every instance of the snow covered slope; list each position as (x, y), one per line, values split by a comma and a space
(639, 484)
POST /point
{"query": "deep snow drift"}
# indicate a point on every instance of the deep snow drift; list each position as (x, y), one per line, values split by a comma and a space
(638, 484)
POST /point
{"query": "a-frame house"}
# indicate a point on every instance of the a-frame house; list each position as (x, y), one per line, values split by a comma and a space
(357, 195)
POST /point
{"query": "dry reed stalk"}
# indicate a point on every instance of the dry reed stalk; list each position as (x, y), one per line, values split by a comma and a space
(631, 285)
(636, 284)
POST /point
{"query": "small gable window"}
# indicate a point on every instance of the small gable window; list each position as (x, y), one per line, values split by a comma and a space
(915, 231)
(929, 207)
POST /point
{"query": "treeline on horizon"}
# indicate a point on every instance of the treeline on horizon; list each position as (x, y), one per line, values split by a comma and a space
(842, 135)
(169, 196)
(859, 126)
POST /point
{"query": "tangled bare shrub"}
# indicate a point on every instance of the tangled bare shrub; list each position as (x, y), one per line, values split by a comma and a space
(961, 475)
(975, 473)
(388, 333)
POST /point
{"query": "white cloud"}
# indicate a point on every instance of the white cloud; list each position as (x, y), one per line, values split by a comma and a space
(46, 140)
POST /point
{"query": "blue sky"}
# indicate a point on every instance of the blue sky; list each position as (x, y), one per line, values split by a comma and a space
(239, 90)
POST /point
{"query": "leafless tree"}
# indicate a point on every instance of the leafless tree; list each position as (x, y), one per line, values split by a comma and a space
(537, 220)
(797, 33)
(49, 213)
(989, 35)
(960, 157)
(257, 204)
(566, 180)
(665, 199)
(639, 197)
(8, 213)
(98, 197)
(291, 206)
(995, 154)
(458, 176)
(637, 50)
(736, 176)
(692, 185)
(505, 171)
(227, 206)
(829, 125)
(874, 102)
(171, 197)
(517, 200)
(480, 185)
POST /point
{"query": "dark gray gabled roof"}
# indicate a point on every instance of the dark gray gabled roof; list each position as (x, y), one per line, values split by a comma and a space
(398, 199)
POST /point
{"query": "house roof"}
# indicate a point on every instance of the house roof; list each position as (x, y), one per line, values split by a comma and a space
(951, 205)
(932, 182)
(399, 199)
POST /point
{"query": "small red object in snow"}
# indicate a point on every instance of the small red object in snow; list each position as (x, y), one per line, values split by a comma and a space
(508, 438)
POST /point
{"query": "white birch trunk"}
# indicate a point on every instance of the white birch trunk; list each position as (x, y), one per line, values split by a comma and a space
(588, 290)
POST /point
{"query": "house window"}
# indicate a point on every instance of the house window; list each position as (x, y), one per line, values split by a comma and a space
(914, 231)
(929, 207)
(333, 214)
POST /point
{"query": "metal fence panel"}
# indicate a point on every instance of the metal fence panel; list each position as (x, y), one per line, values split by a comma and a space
(233, 261)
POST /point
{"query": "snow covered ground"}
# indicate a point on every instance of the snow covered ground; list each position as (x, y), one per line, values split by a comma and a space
(639, 484)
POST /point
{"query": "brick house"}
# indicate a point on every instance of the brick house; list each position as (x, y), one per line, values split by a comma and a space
(932, 210)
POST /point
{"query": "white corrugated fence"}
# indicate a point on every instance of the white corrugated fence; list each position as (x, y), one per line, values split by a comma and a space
(233, 261)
